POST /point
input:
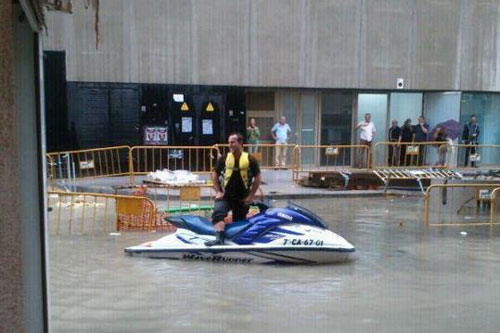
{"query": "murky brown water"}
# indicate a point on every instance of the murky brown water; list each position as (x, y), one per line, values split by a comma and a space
(405, 278)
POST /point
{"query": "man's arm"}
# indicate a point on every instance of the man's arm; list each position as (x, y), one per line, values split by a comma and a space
(465, 133)
(253, 189)
(217, 187)
(273, 134)
(424, 128)
(219, 166)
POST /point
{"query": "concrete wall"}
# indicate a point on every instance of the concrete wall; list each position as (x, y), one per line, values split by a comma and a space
(21, 303)
(29, 162)
(11, 302)
(367, 44)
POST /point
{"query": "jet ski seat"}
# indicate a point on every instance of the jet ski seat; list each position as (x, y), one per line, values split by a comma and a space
(203, 226)
(198, 224)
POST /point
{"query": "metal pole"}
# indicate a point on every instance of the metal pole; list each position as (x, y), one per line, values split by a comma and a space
(68, 165)
(59, 168)
(74, 176)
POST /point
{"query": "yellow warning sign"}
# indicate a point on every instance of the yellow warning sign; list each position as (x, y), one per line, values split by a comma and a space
(184, 107)
(210, 107)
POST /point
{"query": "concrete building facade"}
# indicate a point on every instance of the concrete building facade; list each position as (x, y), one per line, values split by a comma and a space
(363, 44)
(321, 63)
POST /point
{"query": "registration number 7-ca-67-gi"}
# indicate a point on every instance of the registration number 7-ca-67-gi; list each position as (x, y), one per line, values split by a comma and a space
(307, 242)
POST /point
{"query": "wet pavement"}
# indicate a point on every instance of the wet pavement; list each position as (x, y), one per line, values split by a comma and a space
(403, 278)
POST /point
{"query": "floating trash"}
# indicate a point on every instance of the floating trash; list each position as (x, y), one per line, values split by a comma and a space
(463, 233)
(115, 234)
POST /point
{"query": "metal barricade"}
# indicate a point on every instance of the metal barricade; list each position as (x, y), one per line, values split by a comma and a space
(329, 158)
(196, 159)
(494, 217)
(265, 153)
(477, 156)
(88, 163)
(386, 175)
(412, 155)
(459, 205)
(89, 212)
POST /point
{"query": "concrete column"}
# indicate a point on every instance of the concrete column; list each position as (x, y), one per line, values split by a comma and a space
(11, 308)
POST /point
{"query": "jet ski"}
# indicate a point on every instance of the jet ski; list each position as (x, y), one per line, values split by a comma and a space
(292, 235)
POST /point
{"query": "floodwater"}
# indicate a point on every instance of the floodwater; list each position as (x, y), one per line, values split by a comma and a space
(404, 278)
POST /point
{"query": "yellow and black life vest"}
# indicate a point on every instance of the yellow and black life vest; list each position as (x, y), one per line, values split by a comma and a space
(244, 164)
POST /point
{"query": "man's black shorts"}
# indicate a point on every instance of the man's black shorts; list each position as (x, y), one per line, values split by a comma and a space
(223, 206)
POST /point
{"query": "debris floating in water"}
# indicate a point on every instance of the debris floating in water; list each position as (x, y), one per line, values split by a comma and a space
(463, 233)
(115, 234)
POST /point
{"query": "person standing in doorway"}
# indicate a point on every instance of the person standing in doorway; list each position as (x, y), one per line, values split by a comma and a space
(470, 136)
(253, 136)
(281, 133)
(394, 134)
(441, 136)
(407, 136)
(366, 134)
(421, 130)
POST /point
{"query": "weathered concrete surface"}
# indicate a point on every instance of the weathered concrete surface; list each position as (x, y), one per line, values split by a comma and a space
(432, 44)
(10, 229)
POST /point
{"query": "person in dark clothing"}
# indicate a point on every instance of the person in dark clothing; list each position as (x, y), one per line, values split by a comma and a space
(240, 180)
(470, 136)
(421, 130)
(407, 135)
(394, 134)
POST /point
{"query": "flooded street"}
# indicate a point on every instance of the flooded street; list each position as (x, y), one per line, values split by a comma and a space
(403, 278)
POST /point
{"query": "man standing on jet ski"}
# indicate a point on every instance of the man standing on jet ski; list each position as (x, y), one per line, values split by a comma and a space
(240, 179)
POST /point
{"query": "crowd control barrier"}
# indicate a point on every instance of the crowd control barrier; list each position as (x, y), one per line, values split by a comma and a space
(409, 155)
(476, 156)
(197, 159)
(329, 158)
(99, 162)
(494, 216)
(459, 205)
(92, 213)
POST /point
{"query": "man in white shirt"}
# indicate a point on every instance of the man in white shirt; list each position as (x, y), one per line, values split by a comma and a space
(366, 133)
(281, 132)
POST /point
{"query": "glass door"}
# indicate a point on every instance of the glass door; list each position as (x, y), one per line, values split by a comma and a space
(376, 106)
(308, 120)
(301, 112)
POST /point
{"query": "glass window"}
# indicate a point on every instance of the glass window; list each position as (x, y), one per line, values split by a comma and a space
(404, 106)
(336, 123)
(336, 118)
(485, 107)
(442, 109)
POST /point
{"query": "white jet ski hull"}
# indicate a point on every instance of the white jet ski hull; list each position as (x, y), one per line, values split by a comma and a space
(294, 244)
